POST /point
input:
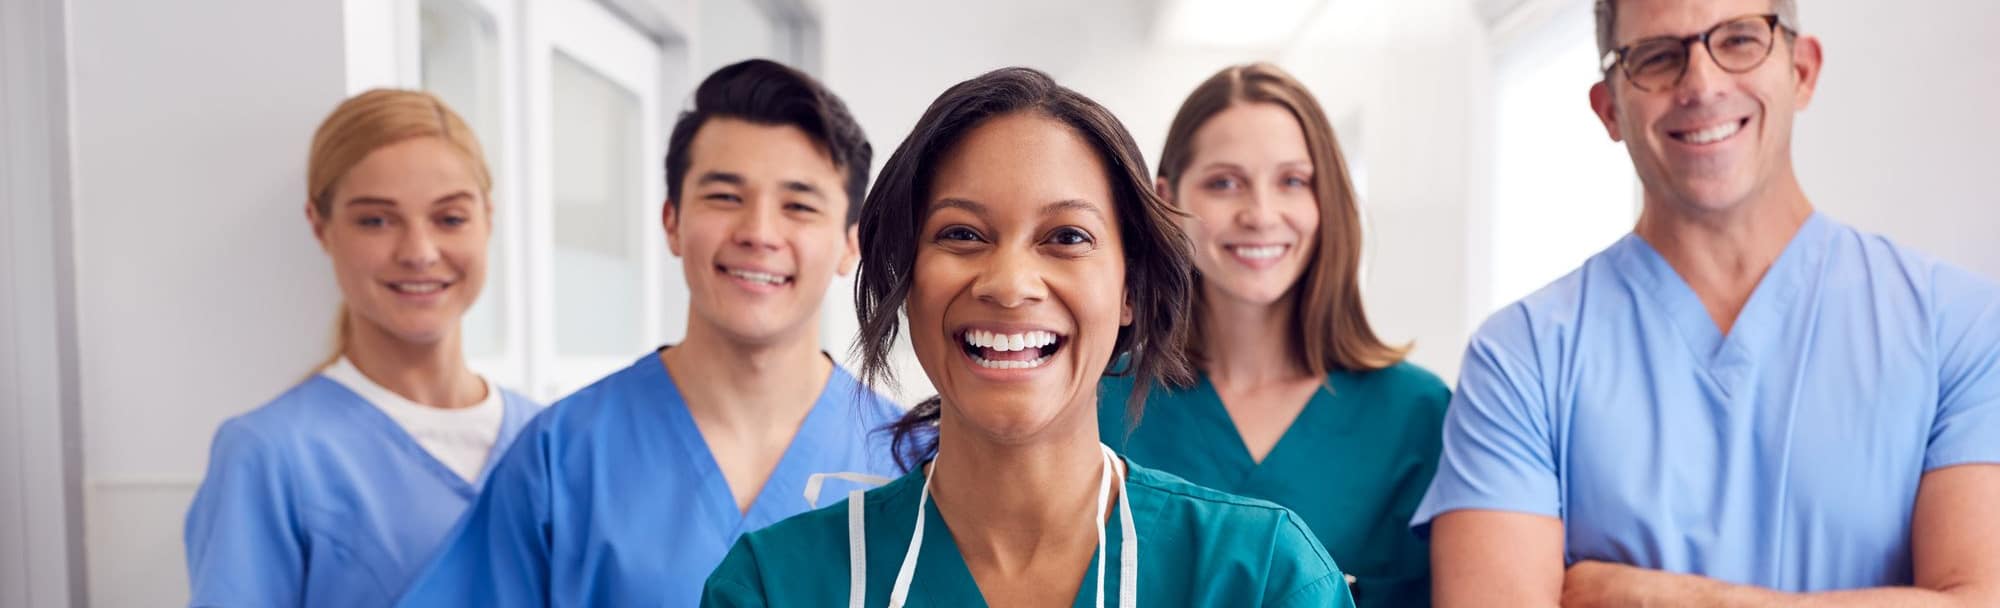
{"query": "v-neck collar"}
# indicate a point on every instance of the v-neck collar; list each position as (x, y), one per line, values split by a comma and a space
(780, 484)
(1756, 325)
(1238, 458)
(943, 578)
(366, 413)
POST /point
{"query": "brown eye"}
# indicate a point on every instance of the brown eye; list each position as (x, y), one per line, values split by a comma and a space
(1070, 236)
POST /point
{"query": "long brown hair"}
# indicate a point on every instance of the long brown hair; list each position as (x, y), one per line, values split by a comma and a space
(1157, 254)
(1334, 333)
(368, 122)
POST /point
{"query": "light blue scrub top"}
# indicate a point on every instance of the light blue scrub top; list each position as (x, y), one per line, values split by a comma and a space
(611, 497)
(1784, 455)
(1197, 547)
(318, 498)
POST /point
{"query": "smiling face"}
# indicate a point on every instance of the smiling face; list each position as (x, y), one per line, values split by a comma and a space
(1017, 292)
(407, 231)
(762, 230)
(1249, 191)
(1715, 139)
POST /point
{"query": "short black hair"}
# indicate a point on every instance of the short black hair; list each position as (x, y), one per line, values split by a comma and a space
(766, 92)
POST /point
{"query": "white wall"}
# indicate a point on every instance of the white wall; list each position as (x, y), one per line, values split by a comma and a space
(1901, 136)
(200, 291)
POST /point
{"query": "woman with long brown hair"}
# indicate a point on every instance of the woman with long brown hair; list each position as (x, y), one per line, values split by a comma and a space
(1295, 400)
(336, 492)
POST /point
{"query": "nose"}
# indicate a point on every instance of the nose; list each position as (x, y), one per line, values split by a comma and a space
(1012, 279)
(757, 226)
(417, 249)
(1258, 211)
(1702, 77)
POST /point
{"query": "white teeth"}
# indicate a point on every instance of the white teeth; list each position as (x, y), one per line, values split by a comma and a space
(418, 287)
(1259, 253)
(758, 277)
(1714, 134)
(989, 364)
(1009, 342)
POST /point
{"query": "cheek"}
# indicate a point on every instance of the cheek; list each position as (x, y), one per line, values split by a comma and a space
(1302, 215)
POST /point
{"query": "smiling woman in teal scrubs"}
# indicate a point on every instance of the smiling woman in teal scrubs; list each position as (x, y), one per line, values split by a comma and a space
(1295, 401)
(1015, 232)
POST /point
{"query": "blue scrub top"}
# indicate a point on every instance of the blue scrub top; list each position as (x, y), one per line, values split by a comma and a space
(320, 499)
(1785, 454)
(1197, 547)
(611, 497)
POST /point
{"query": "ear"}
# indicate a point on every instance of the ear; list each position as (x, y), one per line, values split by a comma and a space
(1125, 311)
(318, 224)
(1807, 58)
(1604, 105)
(671, 221)
(852, 256)
(1164, 189)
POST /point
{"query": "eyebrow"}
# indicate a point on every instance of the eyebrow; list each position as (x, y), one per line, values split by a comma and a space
(801, 188)
(719, 177)
(979, 209)
(737, 179)
(376, 200)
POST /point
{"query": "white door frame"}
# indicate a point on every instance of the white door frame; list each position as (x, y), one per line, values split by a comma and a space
(626, 55)
(41, 499)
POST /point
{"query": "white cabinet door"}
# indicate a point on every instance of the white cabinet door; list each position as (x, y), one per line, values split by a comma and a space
(595, 245)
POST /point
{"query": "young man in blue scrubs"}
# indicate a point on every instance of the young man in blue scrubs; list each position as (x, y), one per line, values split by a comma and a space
(1743, 402)
(629, 492)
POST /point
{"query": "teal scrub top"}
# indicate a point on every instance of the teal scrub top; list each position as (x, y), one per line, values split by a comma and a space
(1198, 547)
(1353, 465)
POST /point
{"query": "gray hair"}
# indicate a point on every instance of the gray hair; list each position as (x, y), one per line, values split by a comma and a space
(1607, 21)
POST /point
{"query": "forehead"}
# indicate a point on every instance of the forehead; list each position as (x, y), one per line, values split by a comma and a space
(1023, 161)
(1639, 19)
(413, 168)
(1250, 132)
(759, 152)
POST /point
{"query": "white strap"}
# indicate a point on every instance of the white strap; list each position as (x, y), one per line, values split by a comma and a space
(901, 591)
(1128, 562)
(1103, 495)
(857, 550)
(1128, 545)
(816, 481)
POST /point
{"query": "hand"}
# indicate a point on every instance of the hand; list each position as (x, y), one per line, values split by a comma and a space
(1589, 584)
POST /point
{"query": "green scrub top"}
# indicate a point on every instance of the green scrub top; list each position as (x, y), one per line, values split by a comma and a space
(1197, 547)
(1354, 464)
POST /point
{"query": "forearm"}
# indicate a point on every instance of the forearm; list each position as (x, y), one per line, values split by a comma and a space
(1698, 591)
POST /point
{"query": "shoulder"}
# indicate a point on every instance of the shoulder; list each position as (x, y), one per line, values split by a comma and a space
(1293, 557)
(1402, 391)
(1403, 380)
(1176, 496)
(602, 400)
(306, 410)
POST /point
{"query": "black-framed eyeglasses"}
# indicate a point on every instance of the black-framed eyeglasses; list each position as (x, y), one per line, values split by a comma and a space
(1737, 45)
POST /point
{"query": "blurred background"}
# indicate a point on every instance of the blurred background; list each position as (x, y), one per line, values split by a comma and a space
(157, 274)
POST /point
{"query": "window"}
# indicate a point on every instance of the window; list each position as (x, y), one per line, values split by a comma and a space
(572, 100)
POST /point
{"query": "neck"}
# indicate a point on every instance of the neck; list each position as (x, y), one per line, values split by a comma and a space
(1261, 346)
(1725, 249)
(432, 374)
(1011, 504)
(734, 384)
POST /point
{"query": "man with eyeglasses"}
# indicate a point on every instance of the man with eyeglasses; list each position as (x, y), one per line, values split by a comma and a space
(1741, 403)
